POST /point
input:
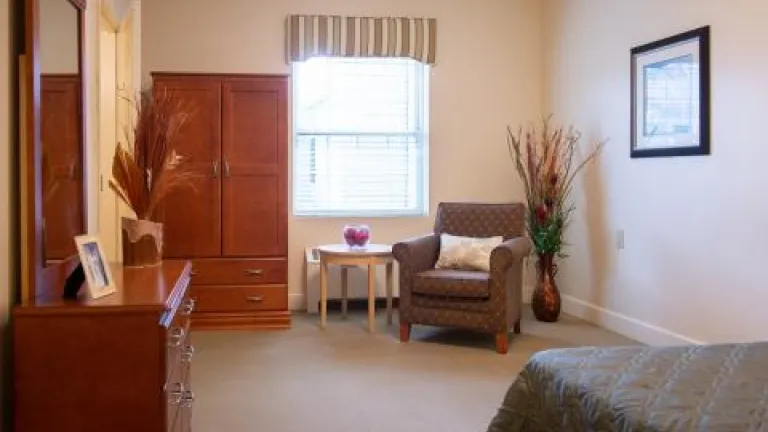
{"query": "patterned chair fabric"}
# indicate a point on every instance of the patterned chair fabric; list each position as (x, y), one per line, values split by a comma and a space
(489, 302)
(481, 220)
(452, 283)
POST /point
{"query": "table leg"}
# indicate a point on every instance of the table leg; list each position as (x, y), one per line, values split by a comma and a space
(323, 292)
(390, 282)
(306, 287)
(344, 282)
(371, 297)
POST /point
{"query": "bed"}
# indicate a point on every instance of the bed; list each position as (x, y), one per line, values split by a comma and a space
(691, 388)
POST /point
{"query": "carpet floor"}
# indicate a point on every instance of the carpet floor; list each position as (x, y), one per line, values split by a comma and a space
(343, 379)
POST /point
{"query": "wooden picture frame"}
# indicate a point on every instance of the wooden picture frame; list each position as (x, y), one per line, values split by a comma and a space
(95, 266)
(670, 90)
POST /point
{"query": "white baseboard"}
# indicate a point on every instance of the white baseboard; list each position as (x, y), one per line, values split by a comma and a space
(633, 328)
(296, 302)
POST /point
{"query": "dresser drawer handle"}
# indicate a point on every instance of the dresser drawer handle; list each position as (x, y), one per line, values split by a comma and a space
(176, 338)
(188, 307)
(255, 299)
(254, 272)
(186, 355)
(193, 273)
(188, 399)
(175, 396)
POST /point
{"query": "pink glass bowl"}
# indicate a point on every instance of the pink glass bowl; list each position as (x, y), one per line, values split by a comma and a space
(357, 235)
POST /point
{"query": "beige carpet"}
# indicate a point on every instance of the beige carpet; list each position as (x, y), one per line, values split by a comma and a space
(343, 379)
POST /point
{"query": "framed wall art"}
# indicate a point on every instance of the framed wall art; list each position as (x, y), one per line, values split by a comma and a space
(670, 96)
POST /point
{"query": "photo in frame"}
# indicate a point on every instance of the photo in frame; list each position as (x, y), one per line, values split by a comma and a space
(670, 96)
(98, 276)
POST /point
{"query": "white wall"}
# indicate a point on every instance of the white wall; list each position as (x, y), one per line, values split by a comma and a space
(6, 206)
(488, 75)
(695, 227)
(58, 37)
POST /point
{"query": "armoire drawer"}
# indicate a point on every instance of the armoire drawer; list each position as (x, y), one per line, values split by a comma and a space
(240, 298)
(226, 271)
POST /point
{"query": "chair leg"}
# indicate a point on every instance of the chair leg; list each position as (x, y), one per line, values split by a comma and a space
(502, 342)
(517, 327)
(405, 331)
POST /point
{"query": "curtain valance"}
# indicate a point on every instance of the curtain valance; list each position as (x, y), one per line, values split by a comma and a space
(325, 35)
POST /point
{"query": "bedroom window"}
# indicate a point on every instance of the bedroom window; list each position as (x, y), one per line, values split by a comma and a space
(360, 143)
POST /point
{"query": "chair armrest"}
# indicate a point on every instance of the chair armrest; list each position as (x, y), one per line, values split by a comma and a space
(508, 253)
(417, 254)
(507, 279)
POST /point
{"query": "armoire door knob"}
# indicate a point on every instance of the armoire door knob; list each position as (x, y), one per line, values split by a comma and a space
(215, 169)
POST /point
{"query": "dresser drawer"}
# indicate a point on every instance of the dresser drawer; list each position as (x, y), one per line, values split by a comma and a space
(240, 298)
(180, 402)
(239, 271)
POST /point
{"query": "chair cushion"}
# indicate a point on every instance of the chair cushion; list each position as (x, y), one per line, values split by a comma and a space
(463, 304)
(452, 283)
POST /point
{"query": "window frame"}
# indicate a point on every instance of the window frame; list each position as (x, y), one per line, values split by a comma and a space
(422, 186)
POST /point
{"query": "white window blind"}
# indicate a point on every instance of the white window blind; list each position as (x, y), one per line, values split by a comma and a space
(360, 137)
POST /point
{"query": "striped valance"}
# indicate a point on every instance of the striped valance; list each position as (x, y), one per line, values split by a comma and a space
(322, 35)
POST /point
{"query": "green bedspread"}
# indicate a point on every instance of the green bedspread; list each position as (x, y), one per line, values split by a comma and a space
(691, 388)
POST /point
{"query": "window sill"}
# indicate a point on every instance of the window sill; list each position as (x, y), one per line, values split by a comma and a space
(359, 215)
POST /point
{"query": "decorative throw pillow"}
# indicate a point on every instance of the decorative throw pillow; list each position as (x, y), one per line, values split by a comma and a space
(466, 253)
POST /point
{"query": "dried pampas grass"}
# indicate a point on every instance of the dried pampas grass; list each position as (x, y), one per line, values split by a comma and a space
(147, 170)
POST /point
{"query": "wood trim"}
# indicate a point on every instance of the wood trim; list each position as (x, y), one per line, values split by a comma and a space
(166, 74)
(31, 252)
(66, 76)
(84, 171)
(278, 320)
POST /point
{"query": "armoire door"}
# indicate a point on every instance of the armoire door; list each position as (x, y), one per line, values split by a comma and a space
(254, 151)
(62, 173)
(192, 215)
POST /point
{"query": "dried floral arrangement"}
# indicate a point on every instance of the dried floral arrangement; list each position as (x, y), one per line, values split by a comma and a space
(148, 168)
(545, 161)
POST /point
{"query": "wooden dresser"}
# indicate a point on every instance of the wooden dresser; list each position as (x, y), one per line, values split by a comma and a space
(233, 225)
(118, 363)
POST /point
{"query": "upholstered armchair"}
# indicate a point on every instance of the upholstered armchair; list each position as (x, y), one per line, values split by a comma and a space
(488, 302)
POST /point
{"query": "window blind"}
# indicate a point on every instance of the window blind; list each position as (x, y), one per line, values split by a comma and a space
(360, 137)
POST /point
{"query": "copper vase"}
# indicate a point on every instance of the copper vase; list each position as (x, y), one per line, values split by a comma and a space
(546, 297)
(142, 242)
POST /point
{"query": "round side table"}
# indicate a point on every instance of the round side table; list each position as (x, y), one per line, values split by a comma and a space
(345, 256)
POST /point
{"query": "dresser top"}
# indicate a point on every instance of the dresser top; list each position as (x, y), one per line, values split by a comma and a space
(141, 288)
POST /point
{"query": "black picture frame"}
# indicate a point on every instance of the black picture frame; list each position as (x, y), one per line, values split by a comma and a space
(700, 129)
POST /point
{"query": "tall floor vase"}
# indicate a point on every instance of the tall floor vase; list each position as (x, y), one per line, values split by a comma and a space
(546, 297)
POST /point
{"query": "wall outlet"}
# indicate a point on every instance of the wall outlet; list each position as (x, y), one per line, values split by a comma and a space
(620, 239)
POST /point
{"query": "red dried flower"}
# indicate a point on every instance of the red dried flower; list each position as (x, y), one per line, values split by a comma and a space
(541, 212)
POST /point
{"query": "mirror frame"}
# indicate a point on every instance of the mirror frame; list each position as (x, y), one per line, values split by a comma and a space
(36, 277)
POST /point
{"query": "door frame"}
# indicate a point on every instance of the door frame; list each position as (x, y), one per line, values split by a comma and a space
(127, 30)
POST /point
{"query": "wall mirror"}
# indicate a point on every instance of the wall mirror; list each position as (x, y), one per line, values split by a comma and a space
(61, 137)
(53, 140)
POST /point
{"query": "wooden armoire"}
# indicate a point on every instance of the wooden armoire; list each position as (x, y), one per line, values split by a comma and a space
(62, 171)
(233, 224)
